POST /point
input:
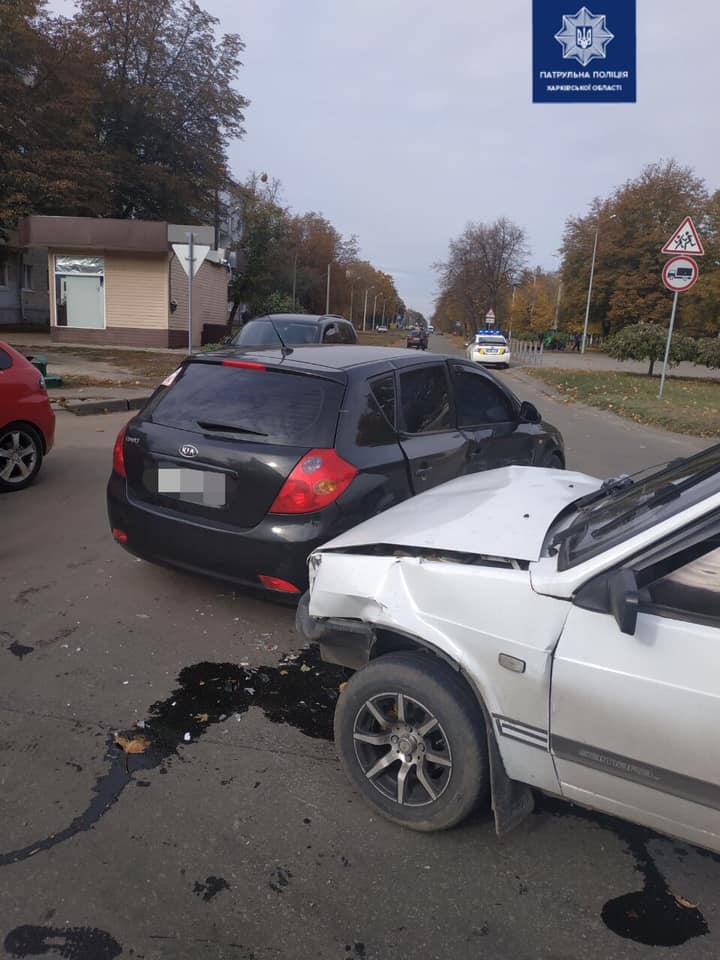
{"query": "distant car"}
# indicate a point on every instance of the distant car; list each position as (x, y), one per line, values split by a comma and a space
(27, 422)
(530, 630)
(417, 338)
(382, 329)
(242, 463)
(489, 348)
(431, 329)
(295, 329)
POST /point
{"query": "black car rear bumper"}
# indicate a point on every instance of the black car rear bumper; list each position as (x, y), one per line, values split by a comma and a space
(277, 547)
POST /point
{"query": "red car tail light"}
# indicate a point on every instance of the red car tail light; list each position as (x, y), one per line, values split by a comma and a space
(119, 535)
(316, 481)
(275, 583)
(118, 455)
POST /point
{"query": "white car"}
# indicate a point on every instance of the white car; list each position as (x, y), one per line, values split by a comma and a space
(382, 329)
(531, 629)
(489, 348)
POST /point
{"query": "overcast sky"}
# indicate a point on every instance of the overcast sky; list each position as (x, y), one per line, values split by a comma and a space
(400, 120)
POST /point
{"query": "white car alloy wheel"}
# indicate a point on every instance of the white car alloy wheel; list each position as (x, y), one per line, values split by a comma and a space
(411, 738)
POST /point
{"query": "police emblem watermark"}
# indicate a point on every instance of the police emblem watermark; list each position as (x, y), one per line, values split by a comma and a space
(582, 55)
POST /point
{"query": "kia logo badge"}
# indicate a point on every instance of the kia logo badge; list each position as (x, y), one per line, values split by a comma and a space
(189, 450)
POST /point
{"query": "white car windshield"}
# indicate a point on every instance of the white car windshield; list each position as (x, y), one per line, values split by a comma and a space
(625, 508)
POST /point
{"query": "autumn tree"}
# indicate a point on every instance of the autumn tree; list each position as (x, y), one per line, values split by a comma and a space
(632, 225)
(168, 105)
(483, 262)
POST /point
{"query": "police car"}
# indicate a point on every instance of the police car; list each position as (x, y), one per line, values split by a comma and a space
(489, 348)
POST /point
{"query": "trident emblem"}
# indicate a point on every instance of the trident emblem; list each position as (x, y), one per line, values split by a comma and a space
(584, 37)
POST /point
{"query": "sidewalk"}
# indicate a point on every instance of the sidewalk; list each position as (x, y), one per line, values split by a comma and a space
(84, 401)
(592, 361)
(41, 343)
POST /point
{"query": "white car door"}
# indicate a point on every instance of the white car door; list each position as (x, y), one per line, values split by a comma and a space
(635, 715)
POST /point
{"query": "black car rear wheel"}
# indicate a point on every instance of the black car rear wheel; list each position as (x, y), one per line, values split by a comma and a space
(412, 740)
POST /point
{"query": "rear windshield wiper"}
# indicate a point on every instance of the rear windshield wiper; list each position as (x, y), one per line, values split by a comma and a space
(228, 428)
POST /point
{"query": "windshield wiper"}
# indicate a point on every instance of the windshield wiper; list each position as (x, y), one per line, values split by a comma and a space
(227, 428)
(664, 494)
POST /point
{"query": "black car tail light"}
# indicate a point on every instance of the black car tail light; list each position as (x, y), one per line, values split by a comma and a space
(118, 455)
(316, 481)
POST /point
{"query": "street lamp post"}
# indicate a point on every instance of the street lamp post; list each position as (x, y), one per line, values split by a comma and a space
(382, 322)
(367, 291)
(352, 294)
(327, 294)
(590, 285)
(374, 306)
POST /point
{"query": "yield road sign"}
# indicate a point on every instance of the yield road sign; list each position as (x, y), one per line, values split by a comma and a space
(182, 252)
(685, 240)
(680, 273)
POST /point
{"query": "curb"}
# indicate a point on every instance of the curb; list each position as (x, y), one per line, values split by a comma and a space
(83, 408)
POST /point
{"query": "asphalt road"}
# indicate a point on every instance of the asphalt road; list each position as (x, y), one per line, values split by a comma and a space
(246, 841)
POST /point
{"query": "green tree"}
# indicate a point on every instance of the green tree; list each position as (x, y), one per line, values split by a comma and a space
(167, 103)
(647, 341)
(708, 353)
(51, 160)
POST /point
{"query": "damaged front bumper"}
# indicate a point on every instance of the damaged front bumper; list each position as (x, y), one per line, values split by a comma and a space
(345, 642)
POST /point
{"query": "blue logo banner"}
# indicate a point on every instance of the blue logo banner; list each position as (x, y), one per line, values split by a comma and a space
(584, 54)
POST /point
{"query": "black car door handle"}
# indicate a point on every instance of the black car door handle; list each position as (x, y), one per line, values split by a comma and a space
(422, 472)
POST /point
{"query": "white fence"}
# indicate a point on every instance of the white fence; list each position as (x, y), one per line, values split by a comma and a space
(527, 353)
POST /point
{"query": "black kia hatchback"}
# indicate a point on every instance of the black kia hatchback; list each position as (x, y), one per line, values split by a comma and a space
(241, 464)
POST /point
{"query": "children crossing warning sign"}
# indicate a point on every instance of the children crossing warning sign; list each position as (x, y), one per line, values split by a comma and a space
(685, 240)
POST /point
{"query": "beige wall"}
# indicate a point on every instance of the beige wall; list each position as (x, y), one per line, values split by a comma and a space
(209, 296)
(136, 290)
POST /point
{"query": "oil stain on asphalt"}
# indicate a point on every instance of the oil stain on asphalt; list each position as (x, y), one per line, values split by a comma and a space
(300, 691)
(72, 943)
(653, 916)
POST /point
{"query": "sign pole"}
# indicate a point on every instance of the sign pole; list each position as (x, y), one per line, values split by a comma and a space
(191, 263)
(667, 345)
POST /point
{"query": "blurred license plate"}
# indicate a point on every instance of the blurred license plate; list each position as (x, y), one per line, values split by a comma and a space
(193, 486)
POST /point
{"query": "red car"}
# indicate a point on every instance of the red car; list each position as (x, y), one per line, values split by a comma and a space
(417, 338)
(27, 422)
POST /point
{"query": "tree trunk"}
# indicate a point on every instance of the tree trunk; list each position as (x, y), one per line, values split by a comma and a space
(652, 365)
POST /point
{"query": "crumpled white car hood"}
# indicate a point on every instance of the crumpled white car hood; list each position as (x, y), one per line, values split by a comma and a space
(500, 513)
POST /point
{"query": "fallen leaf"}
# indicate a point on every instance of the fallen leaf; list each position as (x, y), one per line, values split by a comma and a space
(342, 686)
(201, 717)
(682, 902)
(305, 668)
(132, 744)
(283, 673)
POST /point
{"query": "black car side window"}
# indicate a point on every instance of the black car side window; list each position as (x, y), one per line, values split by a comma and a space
(5, 360)
(348, 333)
(376, 424)
(425, 399)
(479, 400)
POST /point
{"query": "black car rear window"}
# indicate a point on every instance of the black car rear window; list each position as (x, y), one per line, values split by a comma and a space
(264, 406)
(262, 333)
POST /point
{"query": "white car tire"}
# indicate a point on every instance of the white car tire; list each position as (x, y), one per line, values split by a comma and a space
(420, 774)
